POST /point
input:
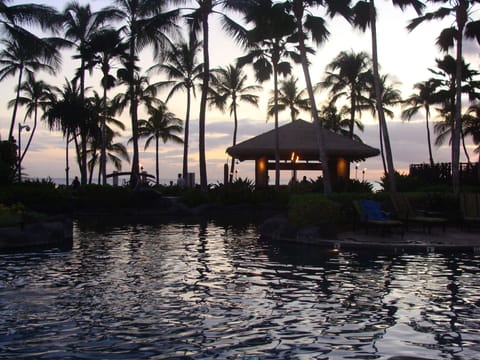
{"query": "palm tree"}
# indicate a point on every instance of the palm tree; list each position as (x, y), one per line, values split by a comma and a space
(229, 84)
(35, 94)
(365, 16)
(143, 92)
(69, 113)
(105, 46)
(289, 98)
(309, 25)
(460, 10)
(198, 19)
(145, 23)
(80, 25)
(390, 97)
(348, 77)
(183, 71)
(27, 55)
(423, 98)
(161, 124)
(334, 120)
(102, 132)
(269, 46)
(445, 74)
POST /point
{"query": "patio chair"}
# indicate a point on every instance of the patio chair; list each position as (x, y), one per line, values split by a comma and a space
(405, 212)
(470, 209)
(370, 214)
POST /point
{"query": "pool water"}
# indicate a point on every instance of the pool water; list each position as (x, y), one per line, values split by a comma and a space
(209, 291)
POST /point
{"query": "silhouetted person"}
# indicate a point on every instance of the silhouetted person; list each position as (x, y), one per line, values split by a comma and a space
(180, 181)
(75, 184)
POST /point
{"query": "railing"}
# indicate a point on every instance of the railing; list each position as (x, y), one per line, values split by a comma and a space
(441, 173)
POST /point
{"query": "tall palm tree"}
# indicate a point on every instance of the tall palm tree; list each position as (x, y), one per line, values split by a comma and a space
(199, 21)
(183, 70)
(452, 36)
(27, 55)
(425, 96)
(269, 47)
(105, 47)
(348, 77)
(80, 25)
(69, 113)
(391, 97)
(35, 95)
(309, 25)
(289, 98)
(445, 74)
(146, 22)
(365, 15)
(161, 124)
(102, 121)
(229, 85)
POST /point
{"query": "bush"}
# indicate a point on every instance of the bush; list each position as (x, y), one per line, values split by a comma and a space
(43, 196)
(239, 191)
(312, 209)
(11, 215)
(103, 197)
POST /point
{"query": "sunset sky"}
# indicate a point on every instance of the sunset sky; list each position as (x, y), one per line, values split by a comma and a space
(404, 56)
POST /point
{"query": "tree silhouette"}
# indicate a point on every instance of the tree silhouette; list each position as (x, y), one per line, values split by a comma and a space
(461, 11)
(161, 124)
(424, 97)
(229, 85)
(183, 70)
(145, 22)
(365, 15)
(289, 98)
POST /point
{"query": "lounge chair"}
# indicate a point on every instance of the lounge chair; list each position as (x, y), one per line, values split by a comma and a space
(405, 212)
(370, 214)
(470, 209)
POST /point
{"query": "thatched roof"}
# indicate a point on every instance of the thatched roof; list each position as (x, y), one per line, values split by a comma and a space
(301, 137)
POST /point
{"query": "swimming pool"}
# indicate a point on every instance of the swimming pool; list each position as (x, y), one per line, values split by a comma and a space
(204, 290)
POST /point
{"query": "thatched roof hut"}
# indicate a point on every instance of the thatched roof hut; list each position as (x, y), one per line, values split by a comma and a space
(300, 138)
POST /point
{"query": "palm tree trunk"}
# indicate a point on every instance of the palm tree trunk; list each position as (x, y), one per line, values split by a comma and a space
(464, 146)
(327, 185)
(103, 157)
(235, 128)
(379, 102)
(83, 158)
(351, 125)
(15, 106)
(134, 176)
(157, 167)
(457, 127)
(186, 135)
(67, 164)
(427, 120)
(32, 132)
(277, 139)
(203, 101)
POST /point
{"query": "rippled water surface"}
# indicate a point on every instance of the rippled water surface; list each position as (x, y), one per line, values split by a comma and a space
(190, 291)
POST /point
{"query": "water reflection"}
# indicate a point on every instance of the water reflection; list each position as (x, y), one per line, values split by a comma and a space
(200, 290)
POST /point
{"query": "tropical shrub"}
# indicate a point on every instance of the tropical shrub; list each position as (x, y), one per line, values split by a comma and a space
(312, 209)
(11, 215)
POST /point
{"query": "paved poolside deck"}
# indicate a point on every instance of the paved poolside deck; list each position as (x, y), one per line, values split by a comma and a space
(453, 239)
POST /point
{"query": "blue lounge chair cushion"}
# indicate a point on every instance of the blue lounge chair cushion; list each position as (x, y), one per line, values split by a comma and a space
(372, 210)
